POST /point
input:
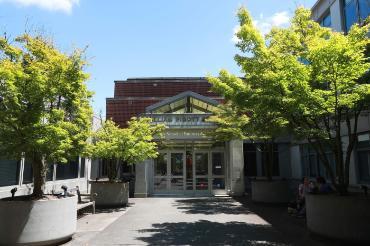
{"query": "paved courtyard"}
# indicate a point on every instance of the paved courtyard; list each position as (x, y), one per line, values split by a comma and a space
(191, 221)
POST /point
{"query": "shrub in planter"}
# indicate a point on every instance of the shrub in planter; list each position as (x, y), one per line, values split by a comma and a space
(133, 144)
(45, 115)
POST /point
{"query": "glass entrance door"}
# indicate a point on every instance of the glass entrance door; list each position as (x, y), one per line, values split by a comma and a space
(189, 173)
(177, 172)
(218, 173)
(201, 171)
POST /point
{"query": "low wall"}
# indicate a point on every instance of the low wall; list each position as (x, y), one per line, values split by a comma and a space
(340, 217)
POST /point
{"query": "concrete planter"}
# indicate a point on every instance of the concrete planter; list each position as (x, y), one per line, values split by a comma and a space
(276, 191)
(43, 222)
(110, 194)
(339, 217)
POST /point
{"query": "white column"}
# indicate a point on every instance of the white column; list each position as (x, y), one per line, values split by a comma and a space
(236, 160)
(141, 179)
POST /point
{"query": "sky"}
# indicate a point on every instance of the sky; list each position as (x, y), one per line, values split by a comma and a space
(144, 38)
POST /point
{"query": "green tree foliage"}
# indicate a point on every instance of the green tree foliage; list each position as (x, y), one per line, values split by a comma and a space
(133, 144)
(306, 78)
(45, 108)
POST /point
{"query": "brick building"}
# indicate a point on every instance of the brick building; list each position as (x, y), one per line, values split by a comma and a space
(190, 163)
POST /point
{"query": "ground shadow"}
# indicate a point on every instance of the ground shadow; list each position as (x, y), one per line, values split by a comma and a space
(205, 232)
(292, 228)
(212, 205)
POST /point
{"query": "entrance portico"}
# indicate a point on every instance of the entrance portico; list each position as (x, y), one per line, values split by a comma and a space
(190, 162)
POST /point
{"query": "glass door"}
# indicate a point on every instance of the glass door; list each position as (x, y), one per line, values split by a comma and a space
(218, 173)
(189, 172)
(160, 173)
(177, 172)
(201, 171)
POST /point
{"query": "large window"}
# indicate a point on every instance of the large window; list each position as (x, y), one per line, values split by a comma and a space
(28, 172)
(9, 172)
(363, 158)
(355, 11)
(83, 167)
(265, 153)
(312, 166)
(326, 20)
(67, 170)
(250, 160)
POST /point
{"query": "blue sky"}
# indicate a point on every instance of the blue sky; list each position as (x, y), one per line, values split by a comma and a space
(144, 38)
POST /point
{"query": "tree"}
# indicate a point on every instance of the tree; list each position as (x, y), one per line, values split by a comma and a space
(133, 144)
(247, 115)
(45, 111)
(310, 77)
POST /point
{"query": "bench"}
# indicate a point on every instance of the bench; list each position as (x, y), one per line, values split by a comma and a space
(82, 203)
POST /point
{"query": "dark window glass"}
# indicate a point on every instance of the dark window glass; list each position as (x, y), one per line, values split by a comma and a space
(218, 163)
(350, 13)
(363, 165)
(326, 21)
(250, 160)
(9, 172)
(103, 168)
(177, 163)
(49, 175)
(313, 165)
(82, 170)
(67, 170)
(160, 165)
(275, 167)
(27, 173)
(201, 163)
(364, 6)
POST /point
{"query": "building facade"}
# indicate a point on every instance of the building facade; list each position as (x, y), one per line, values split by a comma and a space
(190, 161)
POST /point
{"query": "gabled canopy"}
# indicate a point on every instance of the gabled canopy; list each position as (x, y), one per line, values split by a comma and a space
(185, 102)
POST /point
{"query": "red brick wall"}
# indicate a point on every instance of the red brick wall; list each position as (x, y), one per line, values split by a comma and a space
(160, 89)
(126, 104)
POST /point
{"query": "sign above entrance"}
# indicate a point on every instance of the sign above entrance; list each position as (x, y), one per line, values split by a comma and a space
(186, 134)
(182, 120)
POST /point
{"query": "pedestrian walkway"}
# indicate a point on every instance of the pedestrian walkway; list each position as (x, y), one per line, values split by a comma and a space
(183, 221)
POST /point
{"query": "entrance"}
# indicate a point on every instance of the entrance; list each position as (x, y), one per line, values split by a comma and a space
(193, 173)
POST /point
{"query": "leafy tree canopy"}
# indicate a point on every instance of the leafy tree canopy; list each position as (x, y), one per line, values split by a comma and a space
(44, 103)
(133, 144)
(304, 78)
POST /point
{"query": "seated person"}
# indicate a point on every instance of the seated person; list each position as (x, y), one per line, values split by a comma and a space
(323, 187)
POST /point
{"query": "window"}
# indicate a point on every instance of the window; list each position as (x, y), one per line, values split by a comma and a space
(27, 173)
(312, 166)
(9, 172)
(364, 7)
(363, 158)
(250, 160)
(67, 170)
(82, 168)
(275, 167)
(355, 11)
(326, 20)
(363, 163)
(350, 13)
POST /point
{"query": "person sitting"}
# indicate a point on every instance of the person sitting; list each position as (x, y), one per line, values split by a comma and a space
(323, 187)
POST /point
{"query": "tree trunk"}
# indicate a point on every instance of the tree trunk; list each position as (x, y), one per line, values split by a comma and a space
(39, 175)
